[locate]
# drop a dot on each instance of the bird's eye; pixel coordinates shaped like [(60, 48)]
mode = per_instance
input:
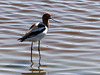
[(48, 15)]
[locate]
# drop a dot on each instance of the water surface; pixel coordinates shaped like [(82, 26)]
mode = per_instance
[(71, 47)]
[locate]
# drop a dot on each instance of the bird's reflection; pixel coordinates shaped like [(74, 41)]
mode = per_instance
[(33, 63), (35, 71)]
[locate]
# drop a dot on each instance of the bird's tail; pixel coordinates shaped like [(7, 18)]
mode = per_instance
[(21, 39)]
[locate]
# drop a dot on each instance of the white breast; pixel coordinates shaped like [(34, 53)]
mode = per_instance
[(39, 36)]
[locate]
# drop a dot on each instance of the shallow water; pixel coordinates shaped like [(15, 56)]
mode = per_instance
[(71, 47)]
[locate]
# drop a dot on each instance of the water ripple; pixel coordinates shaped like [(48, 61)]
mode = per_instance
[(71, 47)]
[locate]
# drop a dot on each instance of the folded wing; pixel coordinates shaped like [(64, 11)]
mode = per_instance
[(33, 31)]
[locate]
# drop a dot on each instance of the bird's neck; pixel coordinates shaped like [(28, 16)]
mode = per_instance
[(46, 22)]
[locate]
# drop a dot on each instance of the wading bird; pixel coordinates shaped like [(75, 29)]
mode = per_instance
[(37, 31)]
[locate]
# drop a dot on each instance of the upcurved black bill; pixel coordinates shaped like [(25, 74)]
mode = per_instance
[(55, 20)]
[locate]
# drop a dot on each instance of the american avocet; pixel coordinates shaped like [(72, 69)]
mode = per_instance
[(37, 31)]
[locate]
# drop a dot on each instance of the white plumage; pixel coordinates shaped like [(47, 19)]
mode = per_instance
[(37, 31), (40, 35)]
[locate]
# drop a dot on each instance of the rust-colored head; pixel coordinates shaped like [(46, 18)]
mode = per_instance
[(45, 18)]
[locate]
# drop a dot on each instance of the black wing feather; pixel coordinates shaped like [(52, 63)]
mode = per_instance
[(33, 33)]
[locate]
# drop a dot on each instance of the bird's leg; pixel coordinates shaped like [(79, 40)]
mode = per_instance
[(39, 49), (31, 55), (31, 50)]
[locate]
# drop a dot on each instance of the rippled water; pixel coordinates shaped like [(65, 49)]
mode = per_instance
[(71, 47)]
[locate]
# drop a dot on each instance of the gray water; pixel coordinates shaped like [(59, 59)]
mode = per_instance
[(71, 47)]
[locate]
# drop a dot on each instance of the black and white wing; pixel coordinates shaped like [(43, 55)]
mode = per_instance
[(33, 31)]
